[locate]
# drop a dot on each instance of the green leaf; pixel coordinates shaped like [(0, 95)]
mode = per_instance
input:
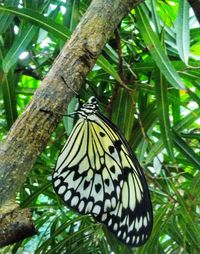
[(154, 151), (183, 147), (19, 45), (156, 50), (69, 121), (174, 231), (106, 66), (159, 226), (182, 30), (188, 226), (147, 122), (175, 102), (39, 191), (6, 19), (187, 120), (195, 186), (39, 20), (181, 125), (194, 35), (9, 96), (75, 14), (155, 16), (163, 113), (123, 114), (191, 75)]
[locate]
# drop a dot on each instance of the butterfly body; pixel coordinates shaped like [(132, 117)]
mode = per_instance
[(97, 173)]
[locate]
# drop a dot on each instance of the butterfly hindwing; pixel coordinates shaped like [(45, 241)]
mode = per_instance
[(131, 220)]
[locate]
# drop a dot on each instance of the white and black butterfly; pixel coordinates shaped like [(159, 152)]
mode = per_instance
[(97, 173)]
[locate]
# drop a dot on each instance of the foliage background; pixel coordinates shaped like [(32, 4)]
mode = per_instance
[(155, 52)]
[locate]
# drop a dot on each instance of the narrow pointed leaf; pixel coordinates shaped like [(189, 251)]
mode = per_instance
[(175, 105), (6, 19), (163, 114), (182, 30), (186, 150), (155, 16), (74, 14), (147, 123), (19, 45), (39, 20), (123, 115), (156, 50), (9, 96), (106, 66), (184, 123)]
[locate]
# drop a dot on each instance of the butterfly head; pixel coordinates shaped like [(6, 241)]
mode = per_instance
[(88, 108)]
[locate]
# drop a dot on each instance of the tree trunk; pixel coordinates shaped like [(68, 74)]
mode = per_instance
[(30, 133)]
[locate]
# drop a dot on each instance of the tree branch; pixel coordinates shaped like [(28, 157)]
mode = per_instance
[(15, 226), (30, 133)]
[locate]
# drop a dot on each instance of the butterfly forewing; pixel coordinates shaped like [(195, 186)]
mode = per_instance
[(97, 173), (84, 175)]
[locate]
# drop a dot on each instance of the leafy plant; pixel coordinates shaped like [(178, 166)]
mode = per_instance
[(147, 81)]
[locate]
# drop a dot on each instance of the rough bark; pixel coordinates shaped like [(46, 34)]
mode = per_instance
[(30, 133), (15, 226)]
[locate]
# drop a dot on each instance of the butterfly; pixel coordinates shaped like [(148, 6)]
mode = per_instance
[(97, 173)]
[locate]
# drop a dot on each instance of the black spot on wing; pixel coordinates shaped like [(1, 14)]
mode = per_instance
[(98, 187), (107, 182), (117, 145), (76, 174), (126, 172), (112, 169), (102, 134), (111, 149), (86, 184)]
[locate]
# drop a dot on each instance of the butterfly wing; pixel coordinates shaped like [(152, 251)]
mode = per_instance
[(88, 173), (132, 219), (97, 173)]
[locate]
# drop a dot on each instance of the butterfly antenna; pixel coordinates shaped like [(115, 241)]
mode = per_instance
[(57, 113), (69, 115), (69, 86)]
